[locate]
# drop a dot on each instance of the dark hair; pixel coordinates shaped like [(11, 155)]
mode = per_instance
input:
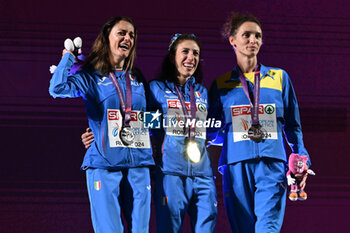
[(99, 56), (168, 69), (235, 21)]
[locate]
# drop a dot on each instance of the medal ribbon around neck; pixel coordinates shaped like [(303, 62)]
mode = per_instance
[(254, 106), (125, 104), (192, 131)]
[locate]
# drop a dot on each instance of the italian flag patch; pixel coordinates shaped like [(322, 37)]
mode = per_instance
[(164, 201), (97, 185), (197, 94), (132, 77)]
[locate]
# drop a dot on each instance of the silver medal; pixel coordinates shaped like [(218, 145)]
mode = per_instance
[(127, 136)]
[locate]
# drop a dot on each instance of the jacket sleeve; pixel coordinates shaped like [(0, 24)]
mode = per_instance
[(292, 125), (63, 85), (153, 105), (215, 112)]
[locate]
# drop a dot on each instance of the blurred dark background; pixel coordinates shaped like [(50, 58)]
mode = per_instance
[(41, 186)]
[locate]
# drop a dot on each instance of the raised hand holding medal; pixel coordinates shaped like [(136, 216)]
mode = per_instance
[(126, 134), (256, 133)]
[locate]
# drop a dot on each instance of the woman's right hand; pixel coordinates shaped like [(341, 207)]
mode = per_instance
[(87, 138), (64, 51)]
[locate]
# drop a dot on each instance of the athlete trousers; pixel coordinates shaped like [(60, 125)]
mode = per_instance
[(255, 195), (176, 195), (110, 192)]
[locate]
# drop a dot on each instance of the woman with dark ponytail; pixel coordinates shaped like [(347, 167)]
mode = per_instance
[(184, 180)]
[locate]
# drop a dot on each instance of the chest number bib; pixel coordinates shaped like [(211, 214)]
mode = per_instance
[(241, 121), (175, 120), (115, 122)]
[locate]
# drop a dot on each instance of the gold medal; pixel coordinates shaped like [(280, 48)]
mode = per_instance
[(193, 152)]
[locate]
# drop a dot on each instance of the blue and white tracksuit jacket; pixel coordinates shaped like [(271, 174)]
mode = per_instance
[(244, 162), (182, 185), (107, 160), (101, 98)]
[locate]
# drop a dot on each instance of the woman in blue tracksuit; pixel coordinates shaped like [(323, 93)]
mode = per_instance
[(181, 184), (117, 162), (256, 104)]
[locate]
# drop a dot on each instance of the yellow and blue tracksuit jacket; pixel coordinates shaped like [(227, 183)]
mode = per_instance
[(275, 90)]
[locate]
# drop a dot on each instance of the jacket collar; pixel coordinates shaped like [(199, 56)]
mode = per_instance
[(235, 73), (190, 81), (118, 73)]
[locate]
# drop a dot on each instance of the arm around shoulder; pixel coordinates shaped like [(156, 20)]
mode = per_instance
[(215, 134)]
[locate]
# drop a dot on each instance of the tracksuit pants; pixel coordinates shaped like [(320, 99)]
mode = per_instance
[(255, 195), (110, 192), (176, 195)]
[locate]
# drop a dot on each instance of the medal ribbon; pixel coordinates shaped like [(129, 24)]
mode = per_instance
[(254, 106), (125, 104), (192, 131)]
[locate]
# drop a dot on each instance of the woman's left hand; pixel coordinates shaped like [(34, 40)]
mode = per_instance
[(307, 173), (303, 181), (87, 138)]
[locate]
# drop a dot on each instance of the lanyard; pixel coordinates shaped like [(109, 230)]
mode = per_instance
[(192, 130), (254, 106), (125, 104)]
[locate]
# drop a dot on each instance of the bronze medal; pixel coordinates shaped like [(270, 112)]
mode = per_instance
[(256, 133)]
